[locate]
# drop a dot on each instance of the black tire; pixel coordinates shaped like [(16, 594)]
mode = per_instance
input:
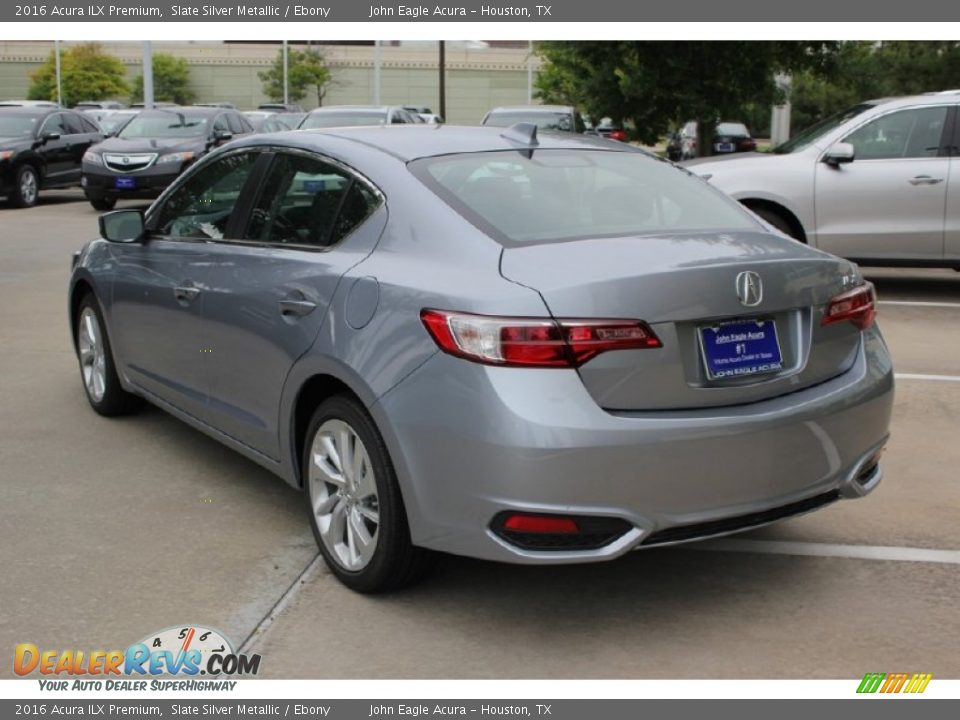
[(25, 177), (396, 562), (115, 400), (103, 204), (778, 221)]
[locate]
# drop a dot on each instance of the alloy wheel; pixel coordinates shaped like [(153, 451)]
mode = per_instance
[(343, 493), (92, 355), (28, 187)]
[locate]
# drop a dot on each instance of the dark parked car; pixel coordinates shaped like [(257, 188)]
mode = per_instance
[(152, 149), (728, 137), (356, 115), (546, 117), (40, 148)]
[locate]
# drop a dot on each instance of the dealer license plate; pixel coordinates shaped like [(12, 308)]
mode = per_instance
[(125, 183), (741, 347)]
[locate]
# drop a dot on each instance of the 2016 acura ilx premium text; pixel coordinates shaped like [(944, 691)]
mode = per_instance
[(478, 341)]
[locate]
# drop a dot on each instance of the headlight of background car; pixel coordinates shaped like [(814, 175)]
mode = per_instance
[(92, 158), (175, 157), (5, 155)]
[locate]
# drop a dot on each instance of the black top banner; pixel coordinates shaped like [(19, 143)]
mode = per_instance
[(578, 11)]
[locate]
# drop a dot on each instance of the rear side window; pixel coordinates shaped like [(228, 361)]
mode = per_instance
[(574, 194), (306, 201)]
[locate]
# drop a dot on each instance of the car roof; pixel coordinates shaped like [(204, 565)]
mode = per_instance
[(533, 108), (411, 142), (334, 108), (188, 111), (31, 110)]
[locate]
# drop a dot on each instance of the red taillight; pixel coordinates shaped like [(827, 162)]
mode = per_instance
[(618, 135), (858, 306), (552, 524), (533, 342)]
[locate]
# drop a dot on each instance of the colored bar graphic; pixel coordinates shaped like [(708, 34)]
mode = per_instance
[(894, 683)]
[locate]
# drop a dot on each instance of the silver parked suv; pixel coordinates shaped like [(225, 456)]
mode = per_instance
[(878, 183)]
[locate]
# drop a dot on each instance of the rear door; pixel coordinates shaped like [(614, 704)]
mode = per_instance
[(889, 202), (268, 294)]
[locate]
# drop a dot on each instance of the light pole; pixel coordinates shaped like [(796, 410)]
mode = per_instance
[(376, 72), (443, 79), (147, 75), (56, 52), (286, 85)]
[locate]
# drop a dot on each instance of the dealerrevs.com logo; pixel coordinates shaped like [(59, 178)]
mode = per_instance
[(887, 683), (187, 651)]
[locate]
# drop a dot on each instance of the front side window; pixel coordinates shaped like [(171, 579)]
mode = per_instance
[(560, 195), (201, 206), (306, 201), (914, 133), (54, 125)]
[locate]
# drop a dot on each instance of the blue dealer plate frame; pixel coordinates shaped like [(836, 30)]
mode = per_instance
[(741, 348), (125, 183)]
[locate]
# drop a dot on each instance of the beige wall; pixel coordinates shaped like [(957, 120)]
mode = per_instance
[(477, 78)]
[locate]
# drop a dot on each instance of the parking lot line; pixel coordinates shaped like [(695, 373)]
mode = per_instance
[(308, 573), (920, 303), (856, 552), (921, 376)]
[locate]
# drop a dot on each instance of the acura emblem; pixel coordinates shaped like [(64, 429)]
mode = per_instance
[(749, 288), (126, 160)]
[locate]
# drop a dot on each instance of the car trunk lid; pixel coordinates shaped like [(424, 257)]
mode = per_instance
[(681, 284)]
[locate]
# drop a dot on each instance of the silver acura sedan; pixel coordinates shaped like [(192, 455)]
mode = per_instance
[(878, 183), (527, 349)]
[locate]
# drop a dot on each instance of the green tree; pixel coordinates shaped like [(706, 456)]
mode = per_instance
[(307, 72), (653, 85), (86, 73), (171, 80)]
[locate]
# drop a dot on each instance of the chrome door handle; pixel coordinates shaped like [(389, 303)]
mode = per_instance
[(924, 180), (296, 307), (185, 293)]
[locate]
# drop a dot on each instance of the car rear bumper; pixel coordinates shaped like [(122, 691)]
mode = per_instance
[(470, 442)]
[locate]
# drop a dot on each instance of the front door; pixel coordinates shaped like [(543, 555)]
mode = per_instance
[(160, 285), (267, 297), (888, 204)]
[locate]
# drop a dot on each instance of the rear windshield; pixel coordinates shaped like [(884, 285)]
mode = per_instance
[(560, 195), (732, 129), (543, 120), (343, 119)]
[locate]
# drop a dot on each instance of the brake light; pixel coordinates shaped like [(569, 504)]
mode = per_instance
[(533, 342), (858, 306), (618, 135)]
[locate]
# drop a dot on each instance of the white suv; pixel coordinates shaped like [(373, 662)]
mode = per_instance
[(878, 183)]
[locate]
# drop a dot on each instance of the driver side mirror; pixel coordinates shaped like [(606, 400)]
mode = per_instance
[(222, 136), (839, 154), (122, 226)]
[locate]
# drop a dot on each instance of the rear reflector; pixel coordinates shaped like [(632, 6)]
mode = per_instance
[(540, 524), (533, 342), (538, 531), (858, 306)]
